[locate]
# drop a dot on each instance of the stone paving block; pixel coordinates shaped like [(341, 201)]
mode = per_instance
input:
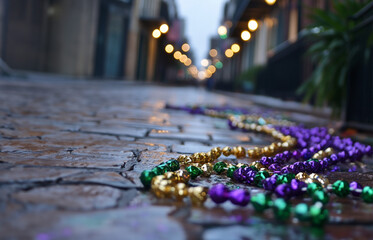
[(72, 197), (25, 174), (179, 136), (113, 179)]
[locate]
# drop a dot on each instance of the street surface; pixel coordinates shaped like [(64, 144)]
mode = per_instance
[(71, 153)]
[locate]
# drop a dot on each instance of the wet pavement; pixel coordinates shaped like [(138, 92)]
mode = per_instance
[(71, 153)]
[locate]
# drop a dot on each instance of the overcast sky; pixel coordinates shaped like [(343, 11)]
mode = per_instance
[(202, 18)]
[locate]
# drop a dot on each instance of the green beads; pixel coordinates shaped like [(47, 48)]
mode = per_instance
[(194, 171), (146, 178), (313, 160), (254, 168), (284, 178), (367, 194), (231, 170), (281, 209), (318, 215), (162, 168), (220, 167), (313, 187), (320, 196), (261, 202), (259, 177), (341, 188), (301, 212), (173, 164)]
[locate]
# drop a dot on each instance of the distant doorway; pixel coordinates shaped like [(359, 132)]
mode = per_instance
[(112, 38)]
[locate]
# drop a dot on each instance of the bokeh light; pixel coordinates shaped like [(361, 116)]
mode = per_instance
[(185, 47), (212, 68), (213, 53), (183, 58), (229, 53), (164, 28), (169, 48), (245, 35), (156, 33), (253, 25), (177, 55), (270, 2), (235, 48), (222, 30), (204, 62)]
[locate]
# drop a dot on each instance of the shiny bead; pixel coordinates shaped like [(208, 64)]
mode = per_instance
[(173, 164), (367, 194), (240, 152), (209, 157), (203, 157), (188, 160), (341, 188), (239, 165), (259, 177), (251, 153), (171, 176), (220, 167), (329, 151), (206, 169), (281, 209), (231, 170), (146, 178), (227, 151), (163, 189), (157, 171), (323, 181), (313, 187), (194, 171), (285, 178), (261, 202), (182, 176), (216, 152), (318, 214), (180, 191), (196, 157), (301, 212), (219, 193), (256, 164), (239, 197), (320, 196), (313, 176), (197, 195), (181, 159), (355, 188)]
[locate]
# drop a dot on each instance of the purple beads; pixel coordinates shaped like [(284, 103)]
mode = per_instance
[(283, 191), (219, 193), (355, 186), (239, 197)]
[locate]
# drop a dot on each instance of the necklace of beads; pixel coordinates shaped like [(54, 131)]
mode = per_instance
[(289, 167)]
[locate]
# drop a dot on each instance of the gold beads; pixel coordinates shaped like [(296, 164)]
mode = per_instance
[(197, 195), (256, 164), (239, 151), (301, 176), (207, 169), (216, 152), (180, 191), (182, 176), (227, 151), (323, 181)]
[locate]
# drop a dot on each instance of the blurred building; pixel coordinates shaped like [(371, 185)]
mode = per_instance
[(275, 53), (101, 38)]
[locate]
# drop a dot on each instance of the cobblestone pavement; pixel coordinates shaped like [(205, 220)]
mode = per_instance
[(71, 153)]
